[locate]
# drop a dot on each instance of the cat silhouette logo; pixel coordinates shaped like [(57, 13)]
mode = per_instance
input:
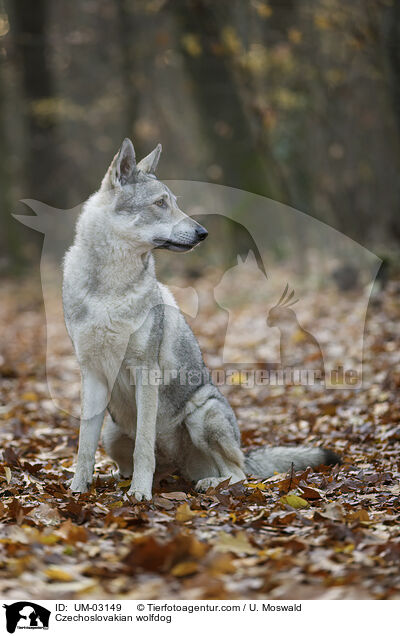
[(26, 615)]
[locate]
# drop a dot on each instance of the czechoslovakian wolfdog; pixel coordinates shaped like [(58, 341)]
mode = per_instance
[(120, 318)]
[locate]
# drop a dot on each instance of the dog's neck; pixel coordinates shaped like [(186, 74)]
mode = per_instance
[(113, 268), (121, 270)]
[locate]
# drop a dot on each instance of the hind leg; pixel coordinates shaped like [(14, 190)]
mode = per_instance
[(216, 455), (119, 446)]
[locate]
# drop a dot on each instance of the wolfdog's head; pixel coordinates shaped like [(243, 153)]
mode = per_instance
[(140, 210)]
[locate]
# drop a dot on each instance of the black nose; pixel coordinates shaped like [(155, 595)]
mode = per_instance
[(201, 233)]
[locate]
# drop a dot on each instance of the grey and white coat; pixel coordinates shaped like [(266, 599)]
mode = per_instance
[(121, 319)]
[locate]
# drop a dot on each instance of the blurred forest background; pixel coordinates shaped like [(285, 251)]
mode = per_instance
[(295, 100)]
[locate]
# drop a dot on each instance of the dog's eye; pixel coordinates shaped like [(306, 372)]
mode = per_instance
[(161, 203)]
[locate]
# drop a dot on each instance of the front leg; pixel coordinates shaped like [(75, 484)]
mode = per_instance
[(94, 401), (144, 454)]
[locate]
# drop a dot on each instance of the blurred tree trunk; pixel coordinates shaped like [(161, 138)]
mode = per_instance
[(9, 243), (392, 40), (297, 175), (393, 45), (127, 41), (29, 35), (239, 161)]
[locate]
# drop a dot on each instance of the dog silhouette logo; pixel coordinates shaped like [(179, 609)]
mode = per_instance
[(26, 615)]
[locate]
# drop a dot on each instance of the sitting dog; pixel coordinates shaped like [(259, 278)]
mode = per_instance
[(127, 331)]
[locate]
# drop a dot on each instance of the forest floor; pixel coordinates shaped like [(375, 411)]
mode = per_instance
[(336, 537)]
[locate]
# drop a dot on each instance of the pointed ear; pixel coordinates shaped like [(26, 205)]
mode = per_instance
[(123, 166), (149, 164), (240, 260)]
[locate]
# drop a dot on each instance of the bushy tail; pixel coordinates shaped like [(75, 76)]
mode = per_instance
[(264, 462)]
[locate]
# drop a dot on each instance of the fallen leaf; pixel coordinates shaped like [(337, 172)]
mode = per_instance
[(176, 496), (259, 485), (358, 515), (184, 513), (238, 544), (294, 501), (185, 568), (58, 574), (310, 493), (7, 473), (29, 397), (46, 515)]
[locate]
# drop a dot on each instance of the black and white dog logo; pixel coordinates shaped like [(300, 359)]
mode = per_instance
[(26, 615)]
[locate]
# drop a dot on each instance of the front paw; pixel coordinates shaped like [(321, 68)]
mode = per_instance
[(81, 482), (140, 493)]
